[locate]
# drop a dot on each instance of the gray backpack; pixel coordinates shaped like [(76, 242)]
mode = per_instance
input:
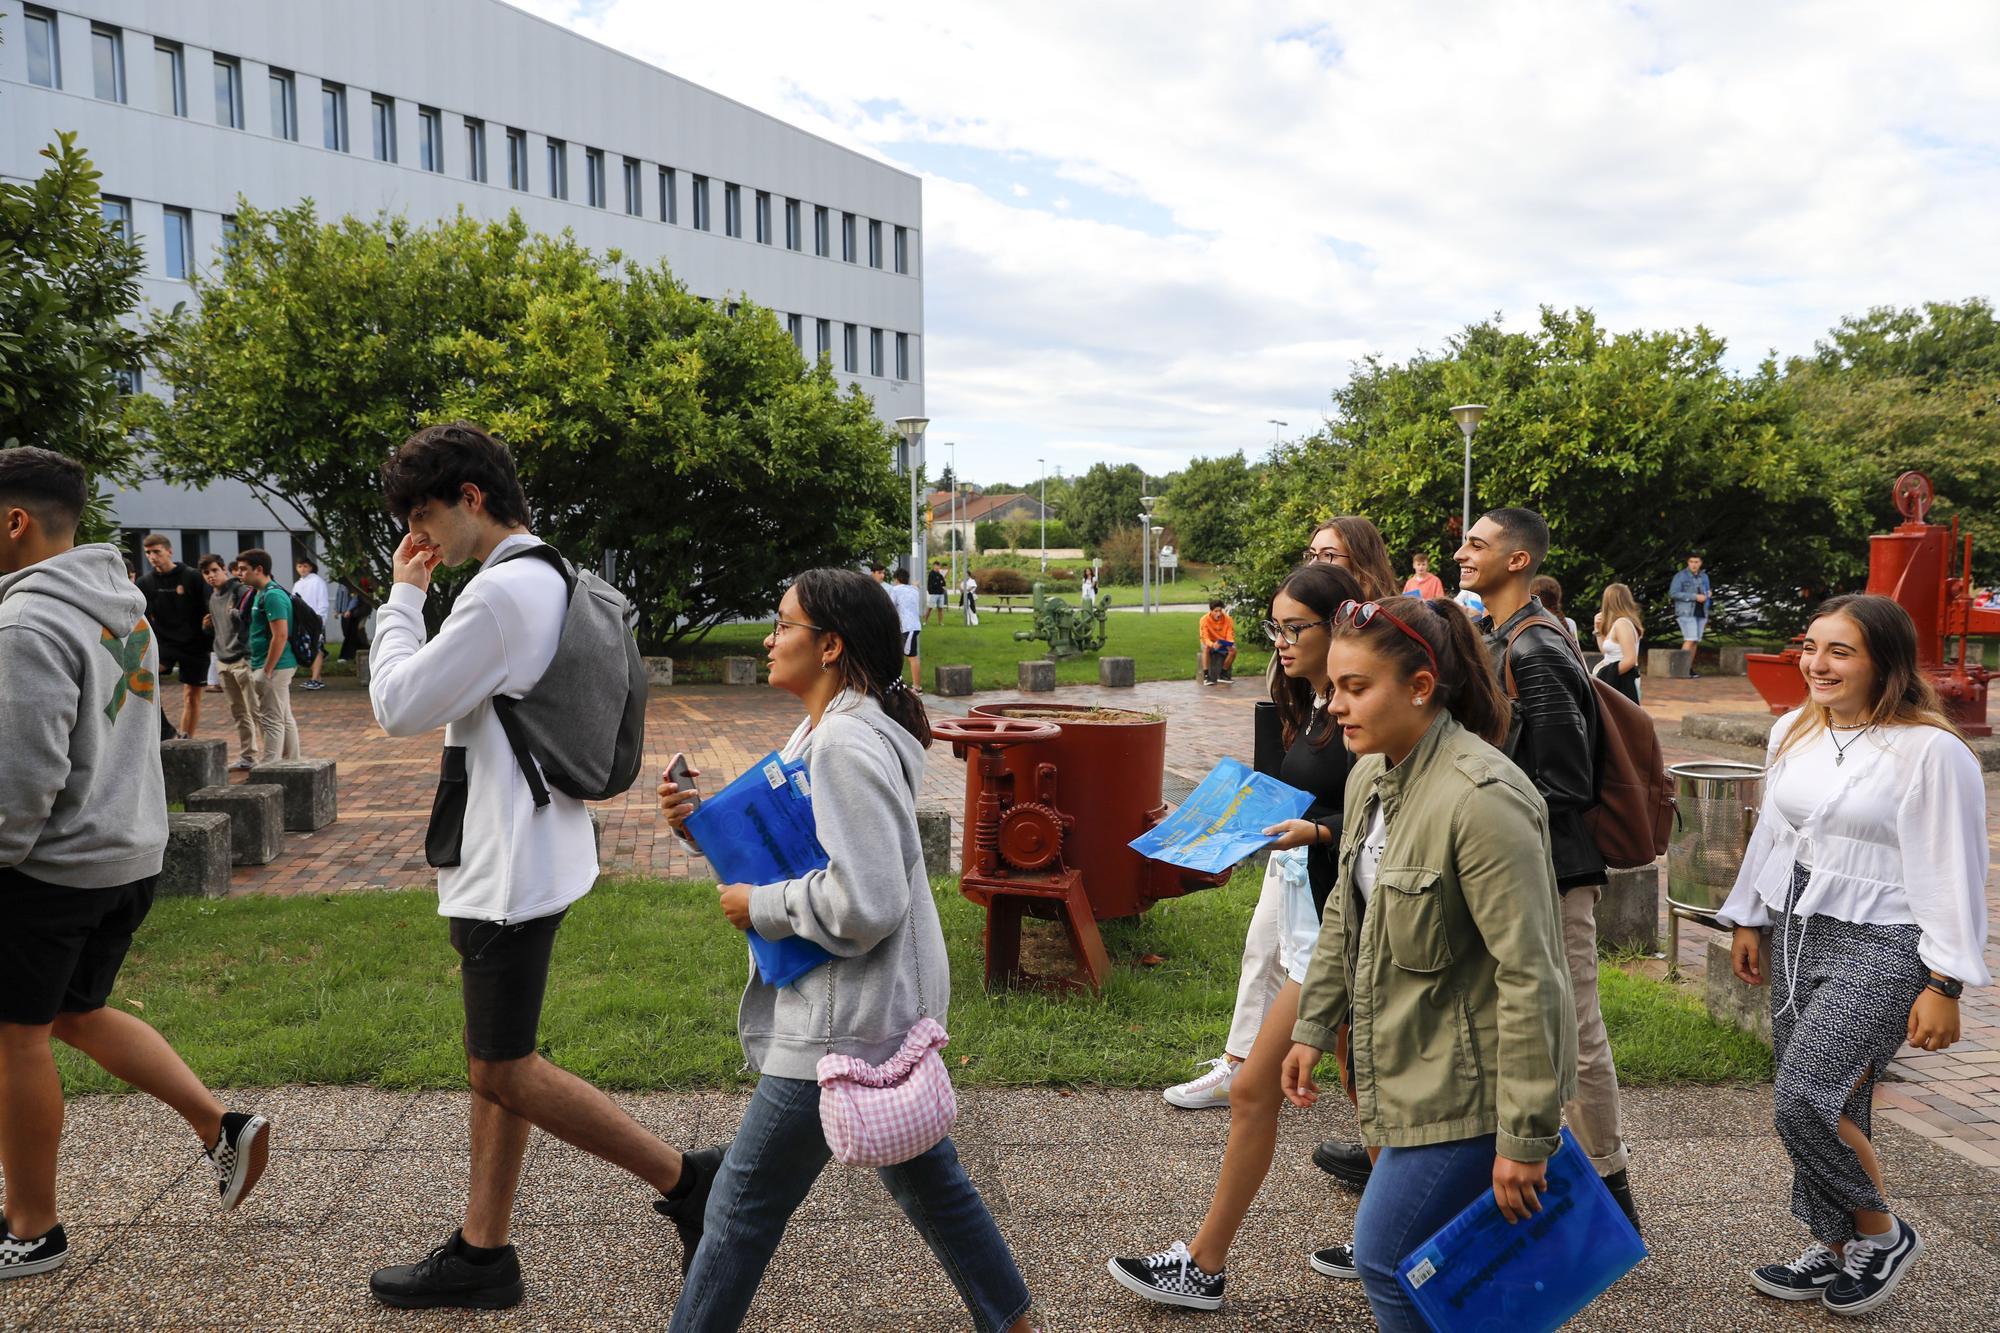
[(582, 729)]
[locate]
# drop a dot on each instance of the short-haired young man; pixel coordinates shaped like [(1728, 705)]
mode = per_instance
[(910, 618), (176, 601), (934, 587), (1689, 594), (310, 588), (83, 830), (268, 635), (1554, 742), (1217, 631), (228, 604), (507, 870)]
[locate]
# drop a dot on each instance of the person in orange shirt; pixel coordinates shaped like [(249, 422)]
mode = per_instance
[(1218, 645), (1422, 583)]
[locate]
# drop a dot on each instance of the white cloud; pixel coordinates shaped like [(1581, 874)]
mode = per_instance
[(1334, 180)]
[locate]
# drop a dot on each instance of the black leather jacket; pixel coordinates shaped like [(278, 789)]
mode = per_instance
[(1553, 737)]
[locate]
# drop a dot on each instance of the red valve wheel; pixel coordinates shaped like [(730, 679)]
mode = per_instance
[(1914, 495), (992, 733)]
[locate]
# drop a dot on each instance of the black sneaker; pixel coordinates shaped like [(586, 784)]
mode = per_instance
[(1335, 1261), (1803, 1279), (240, 1156), (1871, 1272), (446, 1277), (1171, 1278), (25, 1258), (1620, 1185), (1346, 1162), (685, 1207)]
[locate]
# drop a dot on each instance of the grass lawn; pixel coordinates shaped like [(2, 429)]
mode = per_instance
[(1162, 647), (362, 988)]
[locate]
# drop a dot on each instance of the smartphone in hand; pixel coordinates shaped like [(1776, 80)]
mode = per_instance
[(682, 777)]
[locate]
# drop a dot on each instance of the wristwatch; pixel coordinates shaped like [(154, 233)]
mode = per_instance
[(1945, 986)]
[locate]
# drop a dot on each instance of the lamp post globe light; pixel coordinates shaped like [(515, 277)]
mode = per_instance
[(912, 431), (1467, 416)]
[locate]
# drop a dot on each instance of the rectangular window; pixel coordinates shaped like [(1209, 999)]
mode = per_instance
[(558, 169), (118, 212), (230, 234), (823, 337), (635, 193), (194, 544), (170, 74), (699, 185), (131, 381), (517, 159), (670, 204), (284, 105), (475, 150), (732, 209), (107, 62), (430, 139), (902, 356), (875, 353), (228, 93), (796, 326), (333, 116), (902, 249), (44, 53), (874, 243), (382, 127), (850, 347), (593, 177), (180, 242), (763, 217), (847, 247), (822, 242), (793, 238)]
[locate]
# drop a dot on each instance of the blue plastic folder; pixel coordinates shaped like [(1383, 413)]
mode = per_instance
[(759, 830), (1224, 819), (1481, 1273)]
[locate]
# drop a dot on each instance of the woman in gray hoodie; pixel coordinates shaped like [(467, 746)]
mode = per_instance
[(836, 645)]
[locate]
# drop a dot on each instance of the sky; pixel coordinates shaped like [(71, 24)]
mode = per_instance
[(1150, 229)]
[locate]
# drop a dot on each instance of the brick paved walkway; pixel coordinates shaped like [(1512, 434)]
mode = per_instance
[(385, 789)]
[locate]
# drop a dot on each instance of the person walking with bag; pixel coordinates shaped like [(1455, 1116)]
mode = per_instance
[(836, 646), (1619, 629), (1868, 866)]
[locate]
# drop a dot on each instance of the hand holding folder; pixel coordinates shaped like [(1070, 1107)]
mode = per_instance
[(760, 830)]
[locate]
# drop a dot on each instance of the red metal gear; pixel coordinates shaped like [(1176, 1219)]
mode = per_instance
[(1031, 836)]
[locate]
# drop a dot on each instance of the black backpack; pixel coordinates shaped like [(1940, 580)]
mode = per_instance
[(308, 633), (582, 729)]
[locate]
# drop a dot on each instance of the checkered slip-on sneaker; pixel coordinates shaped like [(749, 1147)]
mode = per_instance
[(1170, 1278), (240, 1156), (25, 1258)]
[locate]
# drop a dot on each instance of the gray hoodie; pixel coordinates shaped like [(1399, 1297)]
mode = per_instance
[(82, 802), (865, 908)]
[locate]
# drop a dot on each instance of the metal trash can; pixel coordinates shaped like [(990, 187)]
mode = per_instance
[(1718, 804)]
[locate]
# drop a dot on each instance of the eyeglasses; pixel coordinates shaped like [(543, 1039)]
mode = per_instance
[(1325, 555), (1289, 634), (779, 626), (1362, 614)]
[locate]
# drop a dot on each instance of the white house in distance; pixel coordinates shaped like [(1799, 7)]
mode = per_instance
[(423, 107)]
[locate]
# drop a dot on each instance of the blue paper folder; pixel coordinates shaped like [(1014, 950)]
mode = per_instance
[(759, 830), (1483, 1274), (1224, 819)]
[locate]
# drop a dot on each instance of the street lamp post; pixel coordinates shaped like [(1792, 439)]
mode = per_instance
[(953, 446), (1147, 579), (1045, 513), (1276, 426), (912, 431), (1467, 416)]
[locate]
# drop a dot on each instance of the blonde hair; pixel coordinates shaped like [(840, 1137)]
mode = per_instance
[(1904, 697), (1618, 604)]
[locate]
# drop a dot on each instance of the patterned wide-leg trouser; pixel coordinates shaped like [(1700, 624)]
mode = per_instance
[(1840, 1008)]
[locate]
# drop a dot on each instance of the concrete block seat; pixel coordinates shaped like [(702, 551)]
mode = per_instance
[(311, 787), (256, 813), (197, 864), (190, 765)]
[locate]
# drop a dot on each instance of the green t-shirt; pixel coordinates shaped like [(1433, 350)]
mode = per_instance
[(274, 603)]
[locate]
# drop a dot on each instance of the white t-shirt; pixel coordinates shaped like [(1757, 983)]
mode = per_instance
[(516, 862), (1369, 859), (909, 606), (971, 585), (312, 591)]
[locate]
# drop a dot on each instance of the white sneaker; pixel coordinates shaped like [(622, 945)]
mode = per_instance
[(1211, 1089)]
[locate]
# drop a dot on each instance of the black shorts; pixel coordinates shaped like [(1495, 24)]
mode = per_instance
[(189, 659), (61, 948), (910, 641), (503, 977)]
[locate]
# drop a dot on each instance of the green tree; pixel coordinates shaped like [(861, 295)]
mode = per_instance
[(69, 287), (1103, 500), (689, 451), (1207, 502)]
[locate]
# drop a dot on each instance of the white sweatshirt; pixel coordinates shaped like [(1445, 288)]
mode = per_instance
[(516, 862)]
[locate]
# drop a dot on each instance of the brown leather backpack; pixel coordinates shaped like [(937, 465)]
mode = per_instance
[(1633, 819)]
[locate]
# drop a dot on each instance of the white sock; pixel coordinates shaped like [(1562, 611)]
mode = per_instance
[(1881, 1240)]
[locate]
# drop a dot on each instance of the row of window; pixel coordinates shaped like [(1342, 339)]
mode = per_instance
[(108, 67)]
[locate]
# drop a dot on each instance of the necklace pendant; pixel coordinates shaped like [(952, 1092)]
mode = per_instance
[(1839, 758)]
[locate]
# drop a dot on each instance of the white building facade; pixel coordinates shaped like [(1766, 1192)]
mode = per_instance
[(424, 107)]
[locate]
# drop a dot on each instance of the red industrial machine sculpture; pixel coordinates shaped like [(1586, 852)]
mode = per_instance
[(1053, 795), (1928, 569)]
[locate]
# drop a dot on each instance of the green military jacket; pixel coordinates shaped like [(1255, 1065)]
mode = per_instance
[(1453, 977)]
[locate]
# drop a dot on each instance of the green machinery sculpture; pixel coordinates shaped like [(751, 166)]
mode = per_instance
[(1069, 631)]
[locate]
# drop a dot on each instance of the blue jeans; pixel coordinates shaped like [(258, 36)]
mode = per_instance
[(777, 1154), (1412, 1192)]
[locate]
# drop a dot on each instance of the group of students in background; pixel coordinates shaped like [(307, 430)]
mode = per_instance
[(1429, 921)]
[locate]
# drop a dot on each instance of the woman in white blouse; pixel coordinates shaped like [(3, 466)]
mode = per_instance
[(1868, 865)]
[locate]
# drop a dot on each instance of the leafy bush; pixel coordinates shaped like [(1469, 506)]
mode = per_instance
[(992, 535), (1000, 580), (1120, 554)]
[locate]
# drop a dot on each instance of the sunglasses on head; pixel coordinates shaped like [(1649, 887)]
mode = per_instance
[(1362, 614)]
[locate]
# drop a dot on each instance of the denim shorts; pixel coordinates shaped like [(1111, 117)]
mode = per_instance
[(1691, 627)]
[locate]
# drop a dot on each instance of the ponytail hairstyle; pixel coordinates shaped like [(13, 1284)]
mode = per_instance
[(1367, 554), (1320, 589), (1467, 687), (1903, 696), (858, 609)]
